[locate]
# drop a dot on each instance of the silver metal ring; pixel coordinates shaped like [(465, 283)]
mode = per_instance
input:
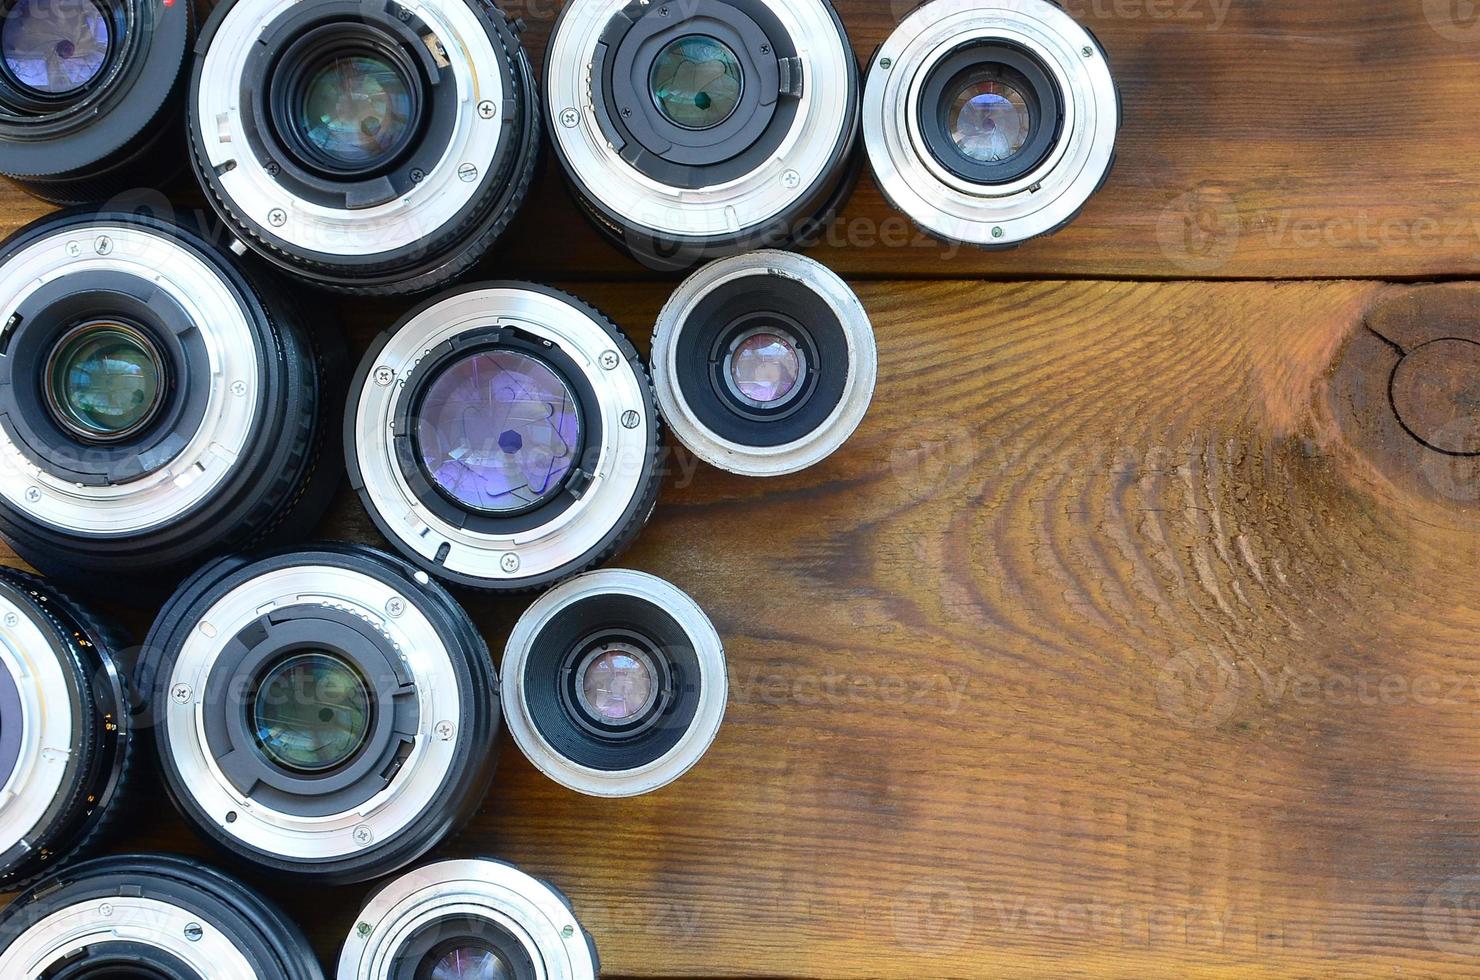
[(621, 470), (183, 933), (824, 120), (948, 205), (525, 908), (415, 785), (27, 654), (820, 442), (713, 684), (212, 452), (281, 218)]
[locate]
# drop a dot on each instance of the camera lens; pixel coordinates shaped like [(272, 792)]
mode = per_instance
[(65, 741), (614, 683), (764, 363), (368, 149), (330, 712), (156, 406), (149, 917), (503, 436), (91, 95), (990, 123), (703, 128), (468, 920)]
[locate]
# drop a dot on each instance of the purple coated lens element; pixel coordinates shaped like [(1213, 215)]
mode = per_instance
[(765, 367), (498, 431), (617, 683), (54, 47), (470, 963)]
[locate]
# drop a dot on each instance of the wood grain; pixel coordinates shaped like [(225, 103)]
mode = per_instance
[(1135, 634), (1115, 644)]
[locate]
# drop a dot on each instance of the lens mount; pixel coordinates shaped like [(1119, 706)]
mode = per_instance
[(761, 160), (482, 910), (638, 751), (98, 121), (153, 916), (342, 773), (537, 459), (1039, 138), (814, 369), (419, 151), (231, 443), (65, 736)]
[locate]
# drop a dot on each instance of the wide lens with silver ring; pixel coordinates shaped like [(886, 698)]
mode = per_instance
[(92, 95), (990, 122), (156, 405), (764, 363), (65, 737), (149, 917), (503, 436), (329, 712), (703, 128), (469, 919), (368, 148), (614, 683)]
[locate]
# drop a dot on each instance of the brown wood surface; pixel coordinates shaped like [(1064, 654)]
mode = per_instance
[(1136, 633)]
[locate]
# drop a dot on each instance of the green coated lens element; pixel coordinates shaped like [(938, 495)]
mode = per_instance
[(355, 110), (311, 712), (104, 380), (696, 81)]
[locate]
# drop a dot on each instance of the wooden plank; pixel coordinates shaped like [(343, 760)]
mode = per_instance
[(1129, 637), (1262, 140)]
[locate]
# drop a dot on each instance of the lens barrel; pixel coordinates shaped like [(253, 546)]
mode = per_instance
[(367, 149), (764, 363), (990, 122), (153, 917), (156, 405), (503, 436), (468, 918), (330, 712), (66, 742), (614, 683), (704, 128), (92, 95)]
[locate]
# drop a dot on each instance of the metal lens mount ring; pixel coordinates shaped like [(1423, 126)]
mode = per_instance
[(600, 510), (662, 600), (149, 915), (475, 899), (990, 214), (308, 837), (810, 154), (64, 727), (853, 377), (194, 467), (350, 230)]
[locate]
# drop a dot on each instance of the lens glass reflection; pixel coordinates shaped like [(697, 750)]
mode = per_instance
[(55, 47), (104, 381), (990, 120), (696, 81), (311, 712), (356, 110)]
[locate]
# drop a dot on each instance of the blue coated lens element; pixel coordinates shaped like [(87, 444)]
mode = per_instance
[(55, 47)]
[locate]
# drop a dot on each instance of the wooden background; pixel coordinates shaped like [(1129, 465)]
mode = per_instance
[(1133, 634)]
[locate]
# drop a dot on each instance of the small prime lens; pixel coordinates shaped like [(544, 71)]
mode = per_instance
[(367, 149), (330, 712), (990, 122), (149, 917), (764, 363), (156, 405), (468, 920), (91, 95), (65, 736), (503, 436), (703, 128), (614, 683)]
